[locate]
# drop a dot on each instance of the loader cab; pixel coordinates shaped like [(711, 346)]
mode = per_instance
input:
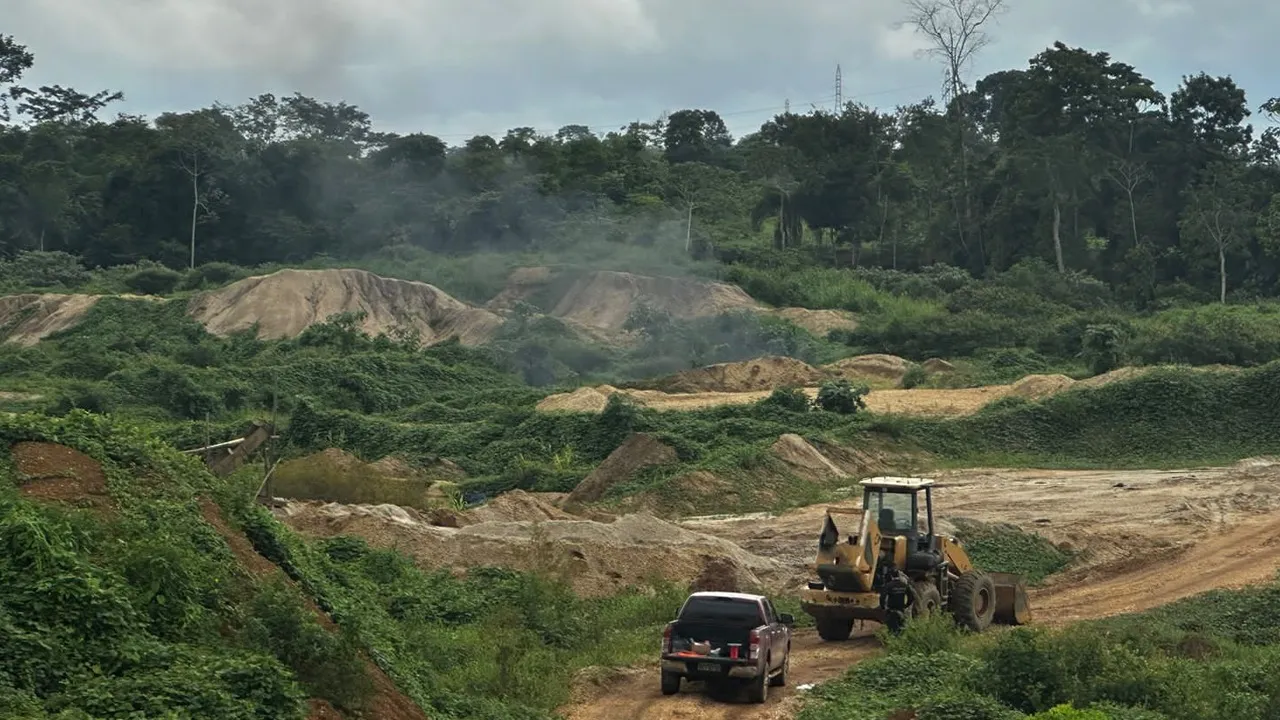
[(902, 506)]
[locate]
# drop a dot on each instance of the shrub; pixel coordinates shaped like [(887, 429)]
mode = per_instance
[(839, 396), (42, 270), (153, 281), (914, 377), (790, 399)]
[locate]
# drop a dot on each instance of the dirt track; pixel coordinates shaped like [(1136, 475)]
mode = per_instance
[(1147, 538), (637, 696)]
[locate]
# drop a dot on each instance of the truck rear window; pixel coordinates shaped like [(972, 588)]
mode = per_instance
[(728, 611)]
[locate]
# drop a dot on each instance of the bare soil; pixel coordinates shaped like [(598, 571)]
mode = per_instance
[(605, 299), (637, 695), (287, 302), (1138, 532), (56, 473)]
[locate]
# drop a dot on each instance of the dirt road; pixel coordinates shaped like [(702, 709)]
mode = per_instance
[(637, 696), (1147, 538), (1248, 554)]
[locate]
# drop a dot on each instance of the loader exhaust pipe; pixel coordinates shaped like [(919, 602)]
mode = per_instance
[(1012, 604)]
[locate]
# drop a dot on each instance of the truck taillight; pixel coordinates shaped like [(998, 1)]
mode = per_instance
[(666, 639), (753, 650)]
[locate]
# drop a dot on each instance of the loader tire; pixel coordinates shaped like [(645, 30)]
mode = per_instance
[(925, 599), (973, 600), (835, 630)]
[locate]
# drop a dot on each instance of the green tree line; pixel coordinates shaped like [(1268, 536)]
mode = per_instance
[(1075, 159)]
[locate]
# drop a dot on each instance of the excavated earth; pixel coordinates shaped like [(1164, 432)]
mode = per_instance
[(1132, 533), (1135, 530)]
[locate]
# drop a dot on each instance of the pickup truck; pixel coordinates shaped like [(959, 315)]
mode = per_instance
[(719, 636)]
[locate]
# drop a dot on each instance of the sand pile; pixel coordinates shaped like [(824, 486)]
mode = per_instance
[(522, 283), (287, 302), (818, 322), (597, 558), (1117, 375), (804, 459), (515, 506), (937, 366), (637, 452), (605, 299), (583, 400), (27, 319), (887, 367), (1035, 387), (764, 373)]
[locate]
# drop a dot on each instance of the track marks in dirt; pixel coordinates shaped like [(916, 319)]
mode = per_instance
[(1227, 558), (636, 695)]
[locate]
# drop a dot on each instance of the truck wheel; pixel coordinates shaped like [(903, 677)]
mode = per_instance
[(973, 600), (835, 630), (670, 683), (759, 690), (780, 680)]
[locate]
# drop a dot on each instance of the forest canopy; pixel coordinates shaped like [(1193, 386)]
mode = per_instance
[(1075, 159)]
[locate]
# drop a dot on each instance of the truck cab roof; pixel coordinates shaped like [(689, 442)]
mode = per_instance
[(728, 596)]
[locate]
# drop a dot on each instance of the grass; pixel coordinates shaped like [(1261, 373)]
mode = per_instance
[(146, 608), (1211, 657), (1006, 548)]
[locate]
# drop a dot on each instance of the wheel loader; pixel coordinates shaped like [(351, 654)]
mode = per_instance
[(896, 567)]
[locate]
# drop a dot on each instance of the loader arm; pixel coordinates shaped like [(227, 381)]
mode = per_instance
[(850, 565)]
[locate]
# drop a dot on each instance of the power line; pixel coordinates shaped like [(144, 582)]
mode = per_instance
[(785, 107)]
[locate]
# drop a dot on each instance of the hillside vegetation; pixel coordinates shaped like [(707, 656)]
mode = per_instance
[(386, 299)]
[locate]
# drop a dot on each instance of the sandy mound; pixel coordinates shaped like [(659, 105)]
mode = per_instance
[(764, 373), (605, 299), (57, 473), (1117, 375), (639, 451), (598, 559), (937, 366), (287, 302), (27, 319), (818, 322), (804, 459), (888, 367), (521, 284), (516, 506), (584, 399), (1034, 387)]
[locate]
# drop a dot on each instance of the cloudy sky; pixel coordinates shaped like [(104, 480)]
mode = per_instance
[(456, 68)]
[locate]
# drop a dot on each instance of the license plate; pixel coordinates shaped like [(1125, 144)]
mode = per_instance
[(708, 667)]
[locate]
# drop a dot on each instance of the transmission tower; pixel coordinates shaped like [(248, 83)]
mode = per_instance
[(839, 91)]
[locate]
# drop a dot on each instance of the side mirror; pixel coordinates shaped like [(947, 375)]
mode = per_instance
[(786, 619)]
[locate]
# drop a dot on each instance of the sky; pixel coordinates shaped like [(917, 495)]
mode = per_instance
[(457, 68)]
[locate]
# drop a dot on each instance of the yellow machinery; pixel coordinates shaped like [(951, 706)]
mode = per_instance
[(896, 567)]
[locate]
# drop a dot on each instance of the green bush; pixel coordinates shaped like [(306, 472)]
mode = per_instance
[(153, 281), (789, 399), (37, 270), (838, 396)]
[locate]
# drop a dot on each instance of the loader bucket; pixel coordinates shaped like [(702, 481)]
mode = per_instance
[(1012, 606)]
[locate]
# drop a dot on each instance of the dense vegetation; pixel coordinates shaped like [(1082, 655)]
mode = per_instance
[(1075, 159), (1207, 658), (1063, 217), (140, 608)]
